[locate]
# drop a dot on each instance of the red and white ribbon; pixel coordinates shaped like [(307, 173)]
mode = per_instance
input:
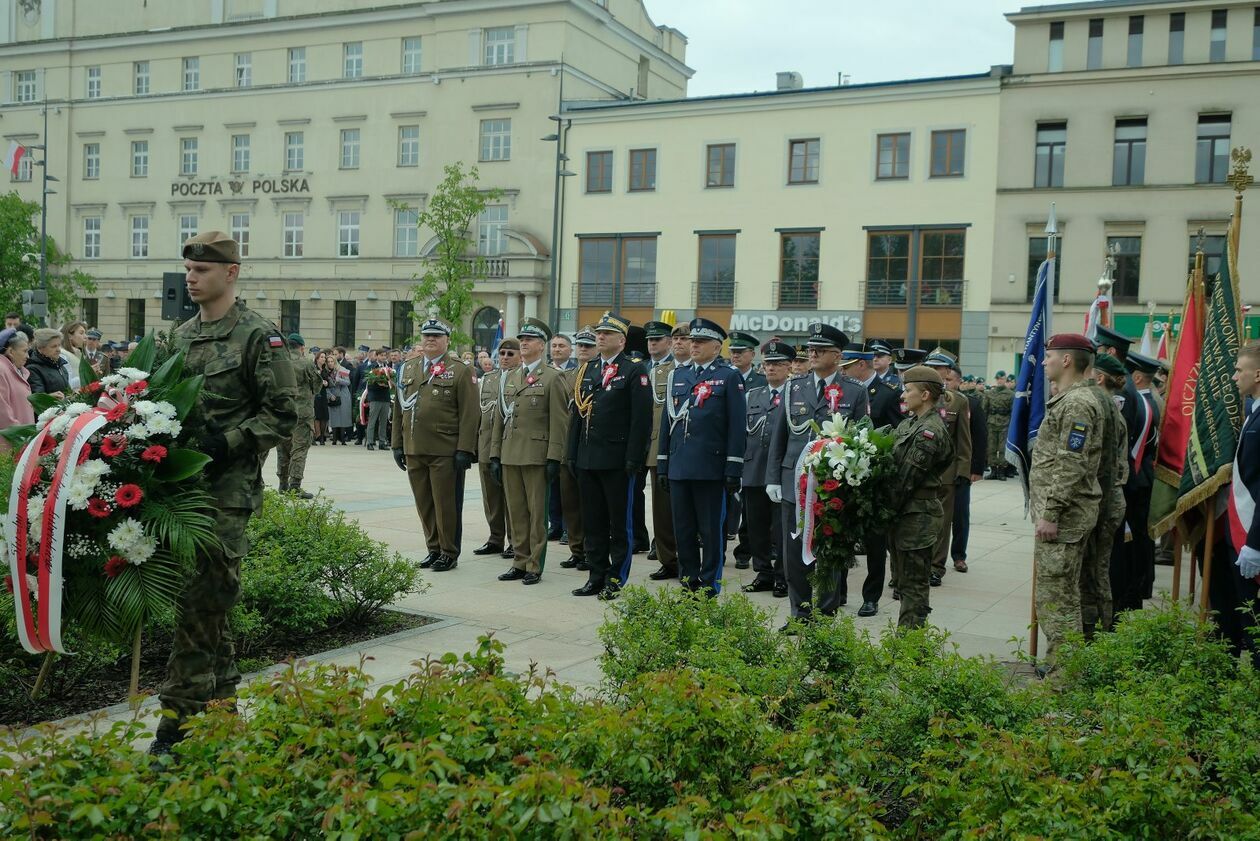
[(806, 496)]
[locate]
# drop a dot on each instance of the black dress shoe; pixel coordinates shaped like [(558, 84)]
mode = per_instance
[(507, 553), (583, 566), (369, 446), (935, 580), (780, 592), (742, 563), (531, 578), (652, 553), (868, 609), (590, 588), (611, 591), (429, 561), (488, 548), (554, 535), (663, 574), (445, 563), (564, 538), (512, 574), (570, 563), (639, 548), (759, 585)]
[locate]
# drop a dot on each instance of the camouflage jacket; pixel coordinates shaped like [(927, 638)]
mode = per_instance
[(308, 384), (1063, 478)]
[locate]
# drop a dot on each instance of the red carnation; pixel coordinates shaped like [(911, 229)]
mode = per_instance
[(137, 387), (835, 503), (828, 530), (818, 509), (830, 485), (114, 565), (129, 495), (99, 508), (85, 454), (93, 387), (47, 445), (154, 453), (116, 413), (113, 446)]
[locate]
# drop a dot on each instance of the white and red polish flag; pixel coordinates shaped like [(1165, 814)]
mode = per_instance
[(13, 157)]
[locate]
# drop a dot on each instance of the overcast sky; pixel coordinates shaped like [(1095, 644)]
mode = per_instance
[(738, 45)]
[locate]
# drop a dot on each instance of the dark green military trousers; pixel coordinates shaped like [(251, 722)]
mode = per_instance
[(913, 539)]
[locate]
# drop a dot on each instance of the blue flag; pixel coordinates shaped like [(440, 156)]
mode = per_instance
[(1029, 407)]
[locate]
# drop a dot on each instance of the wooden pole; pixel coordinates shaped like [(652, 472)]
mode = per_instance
[(44, 671), (1204, 597), (1195, 566), (1032, 639), (134, 689), (1176, 588)]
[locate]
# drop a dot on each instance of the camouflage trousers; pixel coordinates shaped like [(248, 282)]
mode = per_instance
[(1058, 582), (291, 455), (912, 542), (997, 441), (1096, 608), (202, 666)]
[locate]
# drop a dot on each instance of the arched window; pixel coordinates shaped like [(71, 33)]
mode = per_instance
[(485, 327)]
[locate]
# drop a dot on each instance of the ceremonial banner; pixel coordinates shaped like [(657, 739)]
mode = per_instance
[(1029, 407), (1174, 430)]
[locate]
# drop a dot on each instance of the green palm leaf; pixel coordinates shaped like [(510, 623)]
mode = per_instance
[(180, 523)]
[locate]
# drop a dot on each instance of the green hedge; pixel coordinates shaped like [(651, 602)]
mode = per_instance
[(709, 727)]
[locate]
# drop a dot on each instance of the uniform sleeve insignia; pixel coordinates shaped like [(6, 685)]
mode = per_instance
[(275, 341), (1076, 437), (929, 434), (643, 380)]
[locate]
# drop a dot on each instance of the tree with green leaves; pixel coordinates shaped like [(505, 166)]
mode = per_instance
[(447, 284), (19, 263)]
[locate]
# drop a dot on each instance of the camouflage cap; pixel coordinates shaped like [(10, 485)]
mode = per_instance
[(212, 247)]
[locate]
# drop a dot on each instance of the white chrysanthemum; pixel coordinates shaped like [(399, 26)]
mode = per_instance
[(133, 374), (159, 425), (126, 535), (112, 381), (93, 469), (46, 416), (144, 408), (141, 550), (161, 407), (78, 494), (137, 432), (59, 425)]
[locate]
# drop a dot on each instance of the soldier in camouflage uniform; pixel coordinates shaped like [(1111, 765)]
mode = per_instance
[(922, 453), (998, 402), (955, 411), (1063, 487), (291, 453), (247, 407), (1113, 472)]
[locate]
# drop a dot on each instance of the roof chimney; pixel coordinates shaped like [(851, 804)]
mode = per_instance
[(789, 80)]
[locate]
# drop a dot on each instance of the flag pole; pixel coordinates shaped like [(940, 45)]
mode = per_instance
[(1052, 234)]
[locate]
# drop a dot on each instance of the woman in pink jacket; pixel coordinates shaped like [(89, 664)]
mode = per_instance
[(15, 409)]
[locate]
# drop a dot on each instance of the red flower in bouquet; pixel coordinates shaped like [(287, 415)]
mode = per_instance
[(137, 387), (129, 496), (154, 454), (828, 530), (818, 509), (93, 387), (85, 455), (830, 485), (113, 446), (835, 503), (116, 413), (114, 565), (47, 446), (99, 508)]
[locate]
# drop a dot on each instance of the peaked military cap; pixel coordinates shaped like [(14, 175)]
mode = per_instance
[(657, 330), (941, 358), (1141, 364), (743, 341), (680, 330), (433, 327), (822, 335), (94, 334), (1106, 337), (535, 328), (908, 357), (777, 350), (364, 349), (613, 323), (855, 354), (703, 328), (1109, 364), (636, 355), (212, 247), (879, 347), (585, 337)]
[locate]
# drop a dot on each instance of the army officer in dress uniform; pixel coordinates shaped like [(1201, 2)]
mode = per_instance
[(813, 397), (660, 364), (570, 493), (527, 447), (493, 502), (765, 547), (702, 454), (608, 441), (435, 415)]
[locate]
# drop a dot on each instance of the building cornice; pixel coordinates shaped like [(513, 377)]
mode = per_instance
[(1138, 75)]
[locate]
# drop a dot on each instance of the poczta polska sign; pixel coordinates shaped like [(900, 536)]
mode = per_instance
[(266, 186)]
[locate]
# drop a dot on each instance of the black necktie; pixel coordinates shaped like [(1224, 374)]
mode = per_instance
[(822, 388)]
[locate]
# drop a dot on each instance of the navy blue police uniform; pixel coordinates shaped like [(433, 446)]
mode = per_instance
[(736, 521), (763, 519)]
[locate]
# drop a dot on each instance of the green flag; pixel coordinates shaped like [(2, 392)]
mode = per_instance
[(1217, 405)]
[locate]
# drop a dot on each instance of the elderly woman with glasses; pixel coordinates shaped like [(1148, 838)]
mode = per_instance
[(15, 409), (46, 367)]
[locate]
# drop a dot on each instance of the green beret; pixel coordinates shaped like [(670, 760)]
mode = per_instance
[(296, 339)]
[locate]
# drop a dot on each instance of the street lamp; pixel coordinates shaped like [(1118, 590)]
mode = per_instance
[(559, 138)]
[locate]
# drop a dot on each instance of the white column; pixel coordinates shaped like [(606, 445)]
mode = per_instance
[(531, 305), (512, 314)]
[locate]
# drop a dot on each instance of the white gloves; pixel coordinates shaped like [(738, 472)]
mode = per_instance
[(775, 492), (1249, 562)]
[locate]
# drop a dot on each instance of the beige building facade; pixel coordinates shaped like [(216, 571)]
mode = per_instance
[(311, 130)]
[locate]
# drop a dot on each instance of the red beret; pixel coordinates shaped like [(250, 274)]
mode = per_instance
[(1070, 341)]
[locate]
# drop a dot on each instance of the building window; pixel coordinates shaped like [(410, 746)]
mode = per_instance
[(803, 161), (1177, 38), (343, 323), (91, 161), (24, 169), (1213, 248), (240, 153), (192, 73), (297, 65), (1037, 256), (139, 236), (188, 156), (798, 270), (352, 59), (642, 170), (1128, 256), (721, 165), (401, 324), (1216, 46), (1136, 25), (1051, 149), (599, 172), (941, 268), (491, 241), (348, 233), (244, 70), (1094, 46), (887, 268), (349, 148), (293, 234), (290, 316), (135, 319), (410, 56), (496, 140), (617, 272), (140, 78), (294, 151), (91, 237), (409, 145), (93, 83), (894, 157), (139, 159), (948, 151), (1054, 55), (715, 287), (187, 228), (406, 233), (90, 311), (25, 86), (239, 231), (1129, 163), (501, 45), (1211, 153)]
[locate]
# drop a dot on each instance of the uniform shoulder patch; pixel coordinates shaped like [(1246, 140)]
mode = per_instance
[(929, 434), (1076, 436), (643, 380), (275, 341)]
